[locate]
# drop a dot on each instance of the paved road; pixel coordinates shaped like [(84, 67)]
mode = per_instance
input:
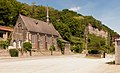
[(61, 64)]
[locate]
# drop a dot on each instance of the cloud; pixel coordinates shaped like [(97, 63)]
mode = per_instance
[(75, 8)]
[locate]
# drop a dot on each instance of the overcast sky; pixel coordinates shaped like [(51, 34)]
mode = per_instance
[(107, 11)]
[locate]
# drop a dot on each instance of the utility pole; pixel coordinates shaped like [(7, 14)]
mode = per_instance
[(108, 39), (86, 40)]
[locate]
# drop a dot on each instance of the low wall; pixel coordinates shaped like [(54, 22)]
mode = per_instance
[(95, 55), (4, 53)]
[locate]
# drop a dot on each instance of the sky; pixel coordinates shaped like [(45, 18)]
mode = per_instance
[(107, 11)]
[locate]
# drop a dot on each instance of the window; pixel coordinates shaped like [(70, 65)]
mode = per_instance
[(48, 40), (33, 38), (41, 39), (19, 27)]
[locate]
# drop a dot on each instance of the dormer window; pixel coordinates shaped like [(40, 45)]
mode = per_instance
[(19, 25)]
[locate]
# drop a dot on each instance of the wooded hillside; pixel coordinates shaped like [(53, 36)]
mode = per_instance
[(71, 25)]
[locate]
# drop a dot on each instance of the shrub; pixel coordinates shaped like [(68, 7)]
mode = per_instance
[(4, 44), (94, 52), (27, 47), (61, 45), (52, 48), (77, 49), (13, 52)]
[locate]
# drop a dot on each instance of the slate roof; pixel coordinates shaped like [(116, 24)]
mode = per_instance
[(35, 25)]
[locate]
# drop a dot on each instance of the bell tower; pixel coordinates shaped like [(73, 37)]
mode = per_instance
[(47, 15)]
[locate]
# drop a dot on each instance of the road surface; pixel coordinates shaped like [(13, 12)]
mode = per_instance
[(56, 64)]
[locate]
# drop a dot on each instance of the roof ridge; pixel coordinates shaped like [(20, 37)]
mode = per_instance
[(41, 26)]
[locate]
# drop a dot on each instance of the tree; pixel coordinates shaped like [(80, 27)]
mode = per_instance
[(9, 10), (52, 48), (68, 23), (61, 45), (27, 47)]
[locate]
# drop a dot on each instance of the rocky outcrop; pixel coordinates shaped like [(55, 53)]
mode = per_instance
[(97, 32)]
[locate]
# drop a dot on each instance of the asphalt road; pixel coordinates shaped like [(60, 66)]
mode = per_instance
[(56, 64)]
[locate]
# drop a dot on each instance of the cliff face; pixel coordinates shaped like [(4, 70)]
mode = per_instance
[(95, 31)]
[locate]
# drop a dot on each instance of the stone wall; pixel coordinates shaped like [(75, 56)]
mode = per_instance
[(4, 53)]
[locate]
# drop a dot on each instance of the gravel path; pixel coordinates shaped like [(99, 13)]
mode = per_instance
[(60, 64)]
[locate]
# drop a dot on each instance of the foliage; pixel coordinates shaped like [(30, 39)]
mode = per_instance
[(108, 49), (4, 44), (94, 51), (13, 52), (52, 48), (63, 30), (69, 24), (27, 47), (9, 10), (61, 45), (77, 49), (95, 42)]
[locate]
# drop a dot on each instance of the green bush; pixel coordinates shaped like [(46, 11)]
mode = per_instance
[(109, 49), (61, 45), (4, 44), (13, 52), (77, 49), (94, 51), (27, 47), (52, 48)]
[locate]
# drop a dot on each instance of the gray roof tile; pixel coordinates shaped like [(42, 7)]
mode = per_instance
[(35, 25)]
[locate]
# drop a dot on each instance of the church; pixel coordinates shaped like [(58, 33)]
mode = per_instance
[(40, 34)]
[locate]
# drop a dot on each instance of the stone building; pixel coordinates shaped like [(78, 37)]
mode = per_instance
[(5, 32), (41, 34)]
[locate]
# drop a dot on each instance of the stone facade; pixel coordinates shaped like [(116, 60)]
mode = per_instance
[(39, 40)]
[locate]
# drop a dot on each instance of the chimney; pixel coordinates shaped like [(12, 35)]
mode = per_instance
[(47, 15)]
